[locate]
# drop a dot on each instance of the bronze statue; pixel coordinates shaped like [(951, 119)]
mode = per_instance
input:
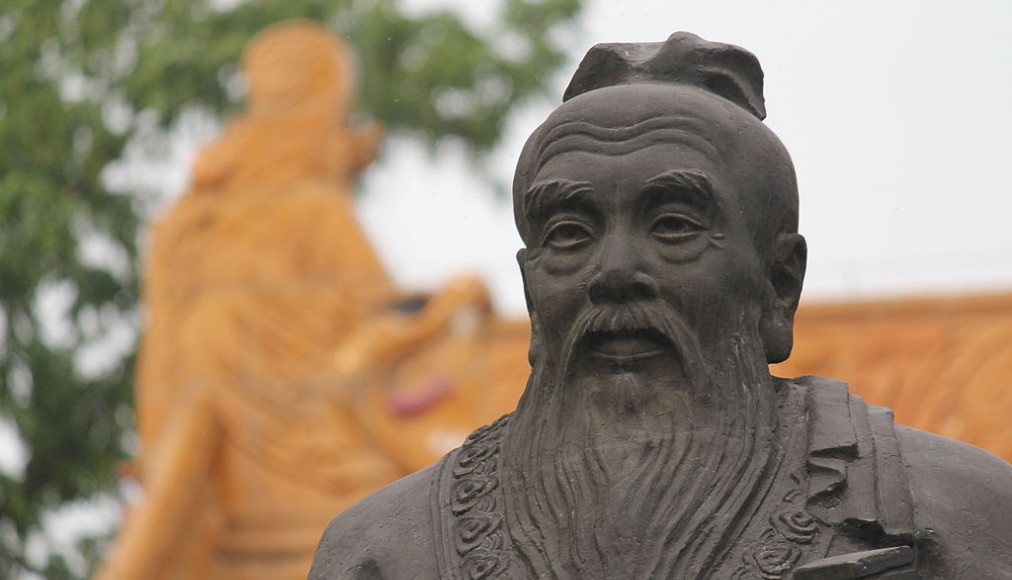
[(662, 269)]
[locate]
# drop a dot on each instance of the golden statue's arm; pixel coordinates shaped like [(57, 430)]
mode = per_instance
[(365, 142), (381, 341), (458, 314), (174, 487)]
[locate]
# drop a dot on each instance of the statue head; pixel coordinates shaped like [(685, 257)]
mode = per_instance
[(295, 64), (656, 189), (662, 270)]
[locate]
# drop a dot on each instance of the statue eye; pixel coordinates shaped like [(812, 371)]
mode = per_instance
[(568, 236), (675, 227)]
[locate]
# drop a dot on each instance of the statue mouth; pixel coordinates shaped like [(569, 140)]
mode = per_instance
[(627, 345)]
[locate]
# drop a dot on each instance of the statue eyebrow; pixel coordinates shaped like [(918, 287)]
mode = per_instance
[(687, 185), (554, 192)]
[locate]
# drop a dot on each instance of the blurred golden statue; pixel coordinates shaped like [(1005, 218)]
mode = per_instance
[(252, 434)]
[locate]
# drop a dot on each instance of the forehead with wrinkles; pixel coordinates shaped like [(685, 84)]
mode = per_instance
[(616, 121)]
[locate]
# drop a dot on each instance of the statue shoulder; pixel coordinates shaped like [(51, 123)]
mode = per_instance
[(963, 504), (385, 536)]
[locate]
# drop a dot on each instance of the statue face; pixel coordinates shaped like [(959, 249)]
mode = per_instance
[(656, 220)]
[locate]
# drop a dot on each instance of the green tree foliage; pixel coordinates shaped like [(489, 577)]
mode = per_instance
[(79, 79)]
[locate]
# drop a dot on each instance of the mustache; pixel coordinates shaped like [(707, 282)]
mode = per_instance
[(647, 318)]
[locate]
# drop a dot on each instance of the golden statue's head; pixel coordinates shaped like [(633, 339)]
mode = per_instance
[(297, 63)]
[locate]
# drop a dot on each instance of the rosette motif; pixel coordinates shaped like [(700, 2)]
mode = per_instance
[(473, 529), (775, 560), (479, 566), (467, 491), (795, 525)]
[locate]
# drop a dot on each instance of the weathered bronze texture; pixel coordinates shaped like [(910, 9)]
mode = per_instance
[(662, 267)]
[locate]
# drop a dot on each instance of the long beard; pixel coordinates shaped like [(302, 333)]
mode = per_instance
[(639, 480)]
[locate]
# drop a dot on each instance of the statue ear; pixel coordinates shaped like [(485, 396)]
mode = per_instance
[(786, 275), (522, 262), (535, 333)]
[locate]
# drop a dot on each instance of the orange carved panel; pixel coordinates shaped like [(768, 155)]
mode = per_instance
[(943, 364)]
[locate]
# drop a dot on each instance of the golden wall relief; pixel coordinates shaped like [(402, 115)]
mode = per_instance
[(943, 364)]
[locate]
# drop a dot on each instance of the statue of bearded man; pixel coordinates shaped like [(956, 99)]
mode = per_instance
[(662, 270)]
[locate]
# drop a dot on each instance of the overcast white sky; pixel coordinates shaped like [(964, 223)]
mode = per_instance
[(898, 115)]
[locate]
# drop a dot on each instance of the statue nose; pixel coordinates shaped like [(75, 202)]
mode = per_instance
[(616, 285)]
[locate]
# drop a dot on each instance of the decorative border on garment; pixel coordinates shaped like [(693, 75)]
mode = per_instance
[(480, 537), (779, 548)]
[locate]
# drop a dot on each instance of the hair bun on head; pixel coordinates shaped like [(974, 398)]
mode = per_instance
[(723, 69)]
